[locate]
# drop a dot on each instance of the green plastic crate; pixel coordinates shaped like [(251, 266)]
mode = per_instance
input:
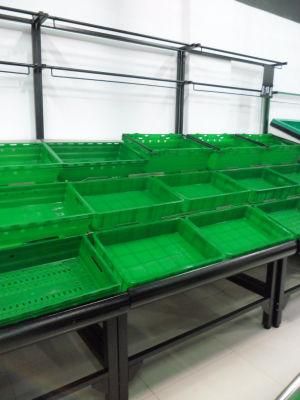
[(50, 276), (240, 230), (90, 160), (205, 190), (27, 163), (231, 151), (292, 172), (169, 152), (146, 253), (223, 141), (264, 184), (117, 202), (268, 140), (289, 126), (26, 212), (286, 212)]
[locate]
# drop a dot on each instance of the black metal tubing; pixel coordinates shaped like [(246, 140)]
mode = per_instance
[(32, 331), (159, 289), (179, 107), (248, 282), (167, 344), (222, 86), (280, 296)]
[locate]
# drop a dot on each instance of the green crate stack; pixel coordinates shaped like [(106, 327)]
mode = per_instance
[(205, 190), (169, 152), (91, 160), (231, 151), (22, 163), (117, 202)]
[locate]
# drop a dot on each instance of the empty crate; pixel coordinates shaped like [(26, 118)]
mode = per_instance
[(117, 202), (286, 212), (292, 172), (231, 151), (40, 278), (169, 152), (264, 184), (149, 252), (27, 163), (239, 230), (92, 160), (205, 190), (35, 212)]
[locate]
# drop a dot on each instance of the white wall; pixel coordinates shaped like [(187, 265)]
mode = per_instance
[(99, 111)]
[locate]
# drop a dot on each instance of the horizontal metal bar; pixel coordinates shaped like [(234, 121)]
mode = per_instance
[(125, 32), (292, 289), (18, 10), (156, 290), (15, 18), (248, 282), (243, 55), (287, 93), (222, 86), (72, 387), (286, 102), (110, 36), (110, 81), (152, 351), (93, 72), (17, 64), (220, 92), (15, 72), (32, 331)]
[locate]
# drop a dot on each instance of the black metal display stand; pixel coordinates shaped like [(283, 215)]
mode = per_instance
[(41, 21)]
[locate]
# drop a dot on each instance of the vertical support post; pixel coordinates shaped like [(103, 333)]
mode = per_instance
[(181, 57), (111, 338), (37, 73), (123, 357), (266, 94), (279, 299), (270, 295)]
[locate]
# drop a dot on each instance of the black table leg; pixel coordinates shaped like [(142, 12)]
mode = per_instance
[(111, 334), (279, 299), (123, 357), (270, 294)]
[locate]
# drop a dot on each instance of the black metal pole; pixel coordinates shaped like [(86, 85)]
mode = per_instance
[(280, 296), (180, 91), (267, 92), (37, 73)]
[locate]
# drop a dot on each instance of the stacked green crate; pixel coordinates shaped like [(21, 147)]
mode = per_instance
[(27, 163), (278, 150), (231, 151), (264, 184), (117, 202), (205, 190), (49, 276), (86, 160), (35, 212), (169, 152)]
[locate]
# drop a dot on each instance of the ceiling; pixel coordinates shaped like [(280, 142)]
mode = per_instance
[(289, 9)]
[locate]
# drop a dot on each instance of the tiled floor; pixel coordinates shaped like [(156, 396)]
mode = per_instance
[(238, 361)]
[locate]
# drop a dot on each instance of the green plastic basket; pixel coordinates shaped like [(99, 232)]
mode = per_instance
[(169, 152), (286, 212), (49, 209), (268, 139), (146, 253), (27, 163), (291, 172), (50, 276), (264, 184), (240, 230), (117, 202), (289, 126), (205, 190), (223, 141), (89, 160)]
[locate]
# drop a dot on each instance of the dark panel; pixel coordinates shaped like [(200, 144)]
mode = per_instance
[(289, 9)]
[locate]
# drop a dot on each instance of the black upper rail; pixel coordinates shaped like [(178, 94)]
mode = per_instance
[(135, 37)]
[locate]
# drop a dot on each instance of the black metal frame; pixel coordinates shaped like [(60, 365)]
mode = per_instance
[(37, 20)]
